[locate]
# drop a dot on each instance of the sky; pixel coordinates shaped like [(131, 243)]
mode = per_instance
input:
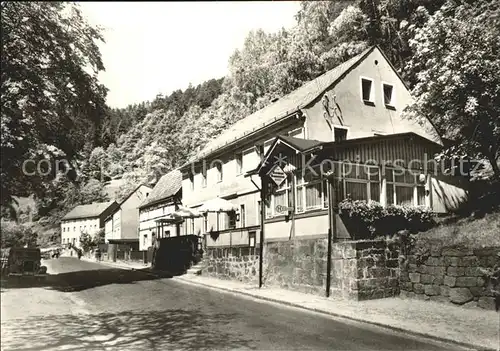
[(159, 47)]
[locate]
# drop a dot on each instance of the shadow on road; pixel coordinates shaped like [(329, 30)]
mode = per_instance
[(168, 329), (81, 280)]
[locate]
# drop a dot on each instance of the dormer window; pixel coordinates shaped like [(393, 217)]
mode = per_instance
[(388, 94), (367, 90)]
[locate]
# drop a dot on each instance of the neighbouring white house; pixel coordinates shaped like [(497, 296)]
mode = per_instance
[(164, 199), (121, 225), (85, 219)]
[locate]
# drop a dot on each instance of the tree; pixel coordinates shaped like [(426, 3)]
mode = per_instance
[(458, 85), (50, 92), (17, 235), (88, 242)]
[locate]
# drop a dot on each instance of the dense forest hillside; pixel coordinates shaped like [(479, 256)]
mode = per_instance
[(141, 142)]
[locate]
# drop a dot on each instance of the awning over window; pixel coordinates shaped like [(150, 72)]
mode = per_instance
[(218, 205)]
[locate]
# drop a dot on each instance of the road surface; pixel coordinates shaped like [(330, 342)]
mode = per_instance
[(88, 306)]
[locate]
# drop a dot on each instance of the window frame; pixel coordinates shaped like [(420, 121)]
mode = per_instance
[(238, 157), (220, 171), (414, 186), (347, 129), (302, 132), (243, 218), (372, 90), (191, 181), (368, 181), (393, 94), (270, 142), (203, 177)]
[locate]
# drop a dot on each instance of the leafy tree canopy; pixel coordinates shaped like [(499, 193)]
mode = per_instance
[(51, 99)]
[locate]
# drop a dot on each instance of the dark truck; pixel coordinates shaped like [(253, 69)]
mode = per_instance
[(22, 262)]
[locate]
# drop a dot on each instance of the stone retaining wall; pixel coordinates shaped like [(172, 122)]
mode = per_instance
[(298, 265), (451, 275), (360, 270), (365, 270), (236, 263)]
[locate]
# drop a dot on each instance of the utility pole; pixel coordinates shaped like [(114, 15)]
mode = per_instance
[(263, 196), (332, 231)]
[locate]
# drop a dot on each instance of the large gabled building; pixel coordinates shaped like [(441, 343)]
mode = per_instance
[(121, 226), (164, 199), (359, 105), (85, 219)]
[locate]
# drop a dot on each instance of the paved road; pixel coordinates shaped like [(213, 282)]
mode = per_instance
[(87, 306)]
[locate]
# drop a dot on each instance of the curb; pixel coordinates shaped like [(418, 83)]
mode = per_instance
[(114, 264), (317, 310)]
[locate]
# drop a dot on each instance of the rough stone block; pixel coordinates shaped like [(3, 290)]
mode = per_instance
[(423, 269), (457, 251), (378, 272), (414, 277), (468, 261), (477, 291), (451, 261), (449, 280), (481, 281), (460, 295), (432, 290), (392, 263), (426, 278), (412, 267), (444, 290), (406, 286), (403, 294), (455, 271), (437, 270), (472, 271), (466, 281), (418, 288), (471, 304), (366, 262), (436, 250), (438, 279), (488, 251), (486, 302), (434, 261)]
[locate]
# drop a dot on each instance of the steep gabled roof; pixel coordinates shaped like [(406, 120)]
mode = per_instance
[(282, 108), (167, 186), (88, 211), (133, 192)]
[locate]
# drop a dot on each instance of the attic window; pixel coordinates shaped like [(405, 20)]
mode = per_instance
[(388, 95), (339, 134), (367, 90)]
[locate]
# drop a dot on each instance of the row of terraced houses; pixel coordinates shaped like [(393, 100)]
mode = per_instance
[(348, 120)]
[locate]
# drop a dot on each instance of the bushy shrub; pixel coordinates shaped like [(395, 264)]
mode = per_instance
[(17, 234), (369, 219)]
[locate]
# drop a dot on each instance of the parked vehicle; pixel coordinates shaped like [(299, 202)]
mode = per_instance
[(22, 262)]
